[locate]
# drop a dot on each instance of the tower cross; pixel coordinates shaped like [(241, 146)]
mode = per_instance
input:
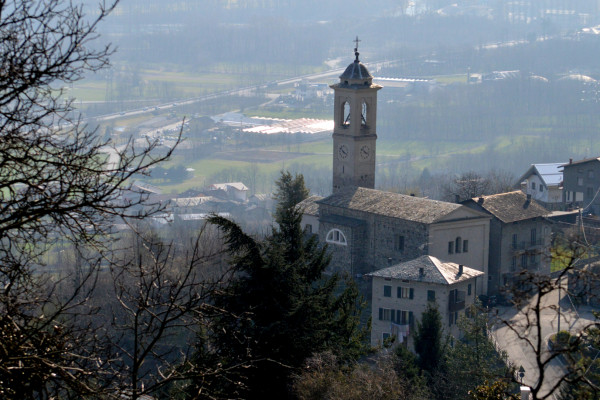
[(357, 40)]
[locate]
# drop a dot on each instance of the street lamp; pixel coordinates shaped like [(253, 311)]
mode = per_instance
[(521, 373)]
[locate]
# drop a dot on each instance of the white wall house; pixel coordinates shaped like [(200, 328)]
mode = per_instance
[(544, 182), (235, 190), (401, 294)]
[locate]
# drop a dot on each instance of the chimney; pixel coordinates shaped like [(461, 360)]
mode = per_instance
[(460, 269), (528, 197), (421, 272), (570, 161), (480, 201)]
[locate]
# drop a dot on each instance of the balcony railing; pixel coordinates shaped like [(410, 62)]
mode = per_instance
[(527, 244)]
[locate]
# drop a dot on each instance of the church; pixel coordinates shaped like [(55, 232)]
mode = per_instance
[(367, 229)]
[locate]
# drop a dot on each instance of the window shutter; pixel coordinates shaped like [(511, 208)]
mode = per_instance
[(411, 319), (399, 292), (412, 293), (393, 314), (380, 314)]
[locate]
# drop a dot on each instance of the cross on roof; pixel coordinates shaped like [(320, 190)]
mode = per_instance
[(357, 40)]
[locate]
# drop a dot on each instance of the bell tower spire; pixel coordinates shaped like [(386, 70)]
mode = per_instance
[(354, 128)]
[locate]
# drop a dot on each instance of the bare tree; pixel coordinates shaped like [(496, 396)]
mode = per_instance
[(58, 183), (157, 295), (540, 313), (472, 184)]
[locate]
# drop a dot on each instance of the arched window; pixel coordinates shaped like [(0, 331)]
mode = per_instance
[(364, 113), (346, 113), (458, 245), (336, 236)]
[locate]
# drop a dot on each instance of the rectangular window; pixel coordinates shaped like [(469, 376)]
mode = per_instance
[(402, 317), (523, 261), (405, 293), (431, 295), (469, 289), (385, 314), (579, 181), (590, 173), (541, 188), (533, 236), (399, 245), (515, 240), (451, 247), (465, 246), (533, 185), (385, 335), (513, 264), (308, 228), (532, 259), (590, 192), (387, 291)]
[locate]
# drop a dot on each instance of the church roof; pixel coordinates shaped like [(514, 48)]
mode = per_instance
[(393, 205), (433, 271), (309, 205), (511, 206)]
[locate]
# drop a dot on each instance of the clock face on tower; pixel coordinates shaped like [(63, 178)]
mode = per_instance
[(365, 152), (343, 151)]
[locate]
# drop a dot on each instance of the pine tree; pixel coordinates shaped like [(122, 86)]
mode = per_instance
[(279, 309), (429, 344), (291, 190)]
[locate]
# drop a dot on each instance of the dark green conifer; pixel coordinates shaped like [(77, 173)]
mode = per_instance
[(279, 309)]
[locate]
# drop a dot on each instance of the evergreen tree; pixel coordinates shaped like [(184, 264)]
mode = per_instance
[(429, 342), (279, 309), (474, 360), (291, 190)]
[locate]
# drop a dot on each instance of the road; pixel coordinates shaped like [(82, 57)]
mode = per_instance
[(522, 351), (376, 65)]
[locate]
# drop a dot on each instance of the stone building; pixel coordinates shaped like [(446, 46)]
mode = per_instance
[(519, 236), (401, 293), (581, 183), (368, 229)]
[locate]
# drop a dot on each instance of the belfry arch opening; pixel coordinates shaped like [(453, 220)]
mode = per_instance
[(364, 113), (346, 113)]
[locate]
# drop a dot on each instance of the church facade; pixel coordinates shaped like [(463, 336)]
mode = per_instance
[(367, 229)]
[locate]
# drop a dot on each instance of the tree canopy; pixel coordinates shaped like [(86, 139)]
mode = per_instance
[(280, 308)]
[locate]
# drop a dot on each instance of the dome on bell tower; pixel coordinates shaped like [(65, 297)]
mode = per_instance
[(356, 73)]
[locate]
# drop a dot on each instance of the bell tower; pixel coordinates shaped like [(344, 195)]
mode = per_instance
[(354, 128)]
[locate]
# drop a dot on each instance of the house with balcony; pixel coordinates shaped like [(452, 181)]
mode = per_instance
[(519, 240), (400, 294)]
